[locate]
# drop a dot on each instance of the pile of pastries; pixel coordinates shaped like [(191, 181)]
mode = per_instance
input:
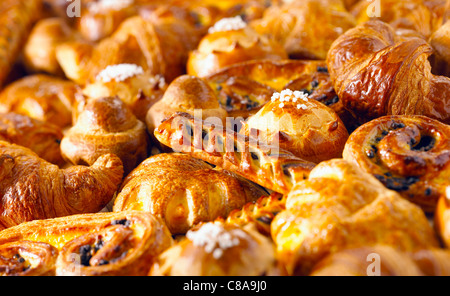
[(225, 138)]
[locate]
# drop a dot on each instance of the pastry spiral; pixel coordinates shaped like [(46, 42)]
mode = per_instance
[(377, 73), (340, 206), (40, 96), (305, 127), (408, 154), (41, 137), (217, 249), (32, 188), (183, 191), (106, 126), (108, 244), (264, 164)]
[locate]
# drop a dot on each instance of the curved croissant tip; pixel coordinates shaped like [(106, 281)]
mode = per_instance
[(110, 161)]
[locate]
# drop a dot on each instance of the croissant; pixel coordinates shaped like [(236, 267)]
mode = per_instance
[(375, 75), (340, 206), (39, 50), (159, 47), (17, 17), (243, 88), (43, 97), (217, 249), (440, 41), (408, 154), (32, 188), (305, 127), (262, 163), (228, 42), (292, 25), (384, 260), (106, 126), (108, 244), (41, 137), (186, 94), (183, 191)]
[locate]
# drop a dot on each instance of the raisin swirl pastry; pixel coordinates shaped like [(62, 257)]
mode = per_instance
[(32, 188), (305, 127), (40, 96), (108, 244), (183, 191), (262, 163), (391, 262), (340, 206), (106, 126), (228, 42), (217, 249), (27, 258), (408, 154), (377, 73), (41, 137)]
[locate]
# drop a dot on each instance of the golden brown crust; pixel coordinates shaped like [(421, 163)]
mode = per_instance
[(217, 249), (183, 191), (220, 49), (106, 126), (43, 97), (375, 73), (32, 188), (441, 218), (266, 165), (112, 244), (340, 206), (41, 137), (185, 94), (408, 154), (293, 26), (312, 131)]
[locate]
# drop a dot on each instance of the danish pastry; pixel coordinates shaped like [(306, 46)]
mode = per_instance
[(263, 163), (374, 74), (183, 191), (290, 24), (41, 137), (186, 94), (32, 188), (305, 127), (384, 260), (40, 96), (408, 154), (340, 206), (108, 244), (230, 41), (217, 249), (106, 126)]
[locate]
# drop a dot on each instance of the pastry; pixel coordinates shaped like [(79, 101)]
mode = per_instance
[(106, 126), (183, 191), (375, 74), (291, 25), (230, 41), (40, 96), (441, 218), (243, 88), (108, 244), (383, 260), (17, 17), (41, 137), (136, 88), (262, 163), (32, 188), (408, 154), (305, 127), (217, 249), (189, 94), (340, 206)]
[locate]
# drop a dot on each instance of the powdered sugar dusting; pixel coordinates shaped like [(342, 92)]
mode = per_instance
[(119, 72), (228, 24), (288, 95)]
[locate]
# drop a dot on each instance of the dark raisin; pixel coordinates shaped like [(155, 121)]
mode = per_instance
[(123, 222), (322, 69), (314, 83), (254, 156), (264, 219), (428, 191)]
